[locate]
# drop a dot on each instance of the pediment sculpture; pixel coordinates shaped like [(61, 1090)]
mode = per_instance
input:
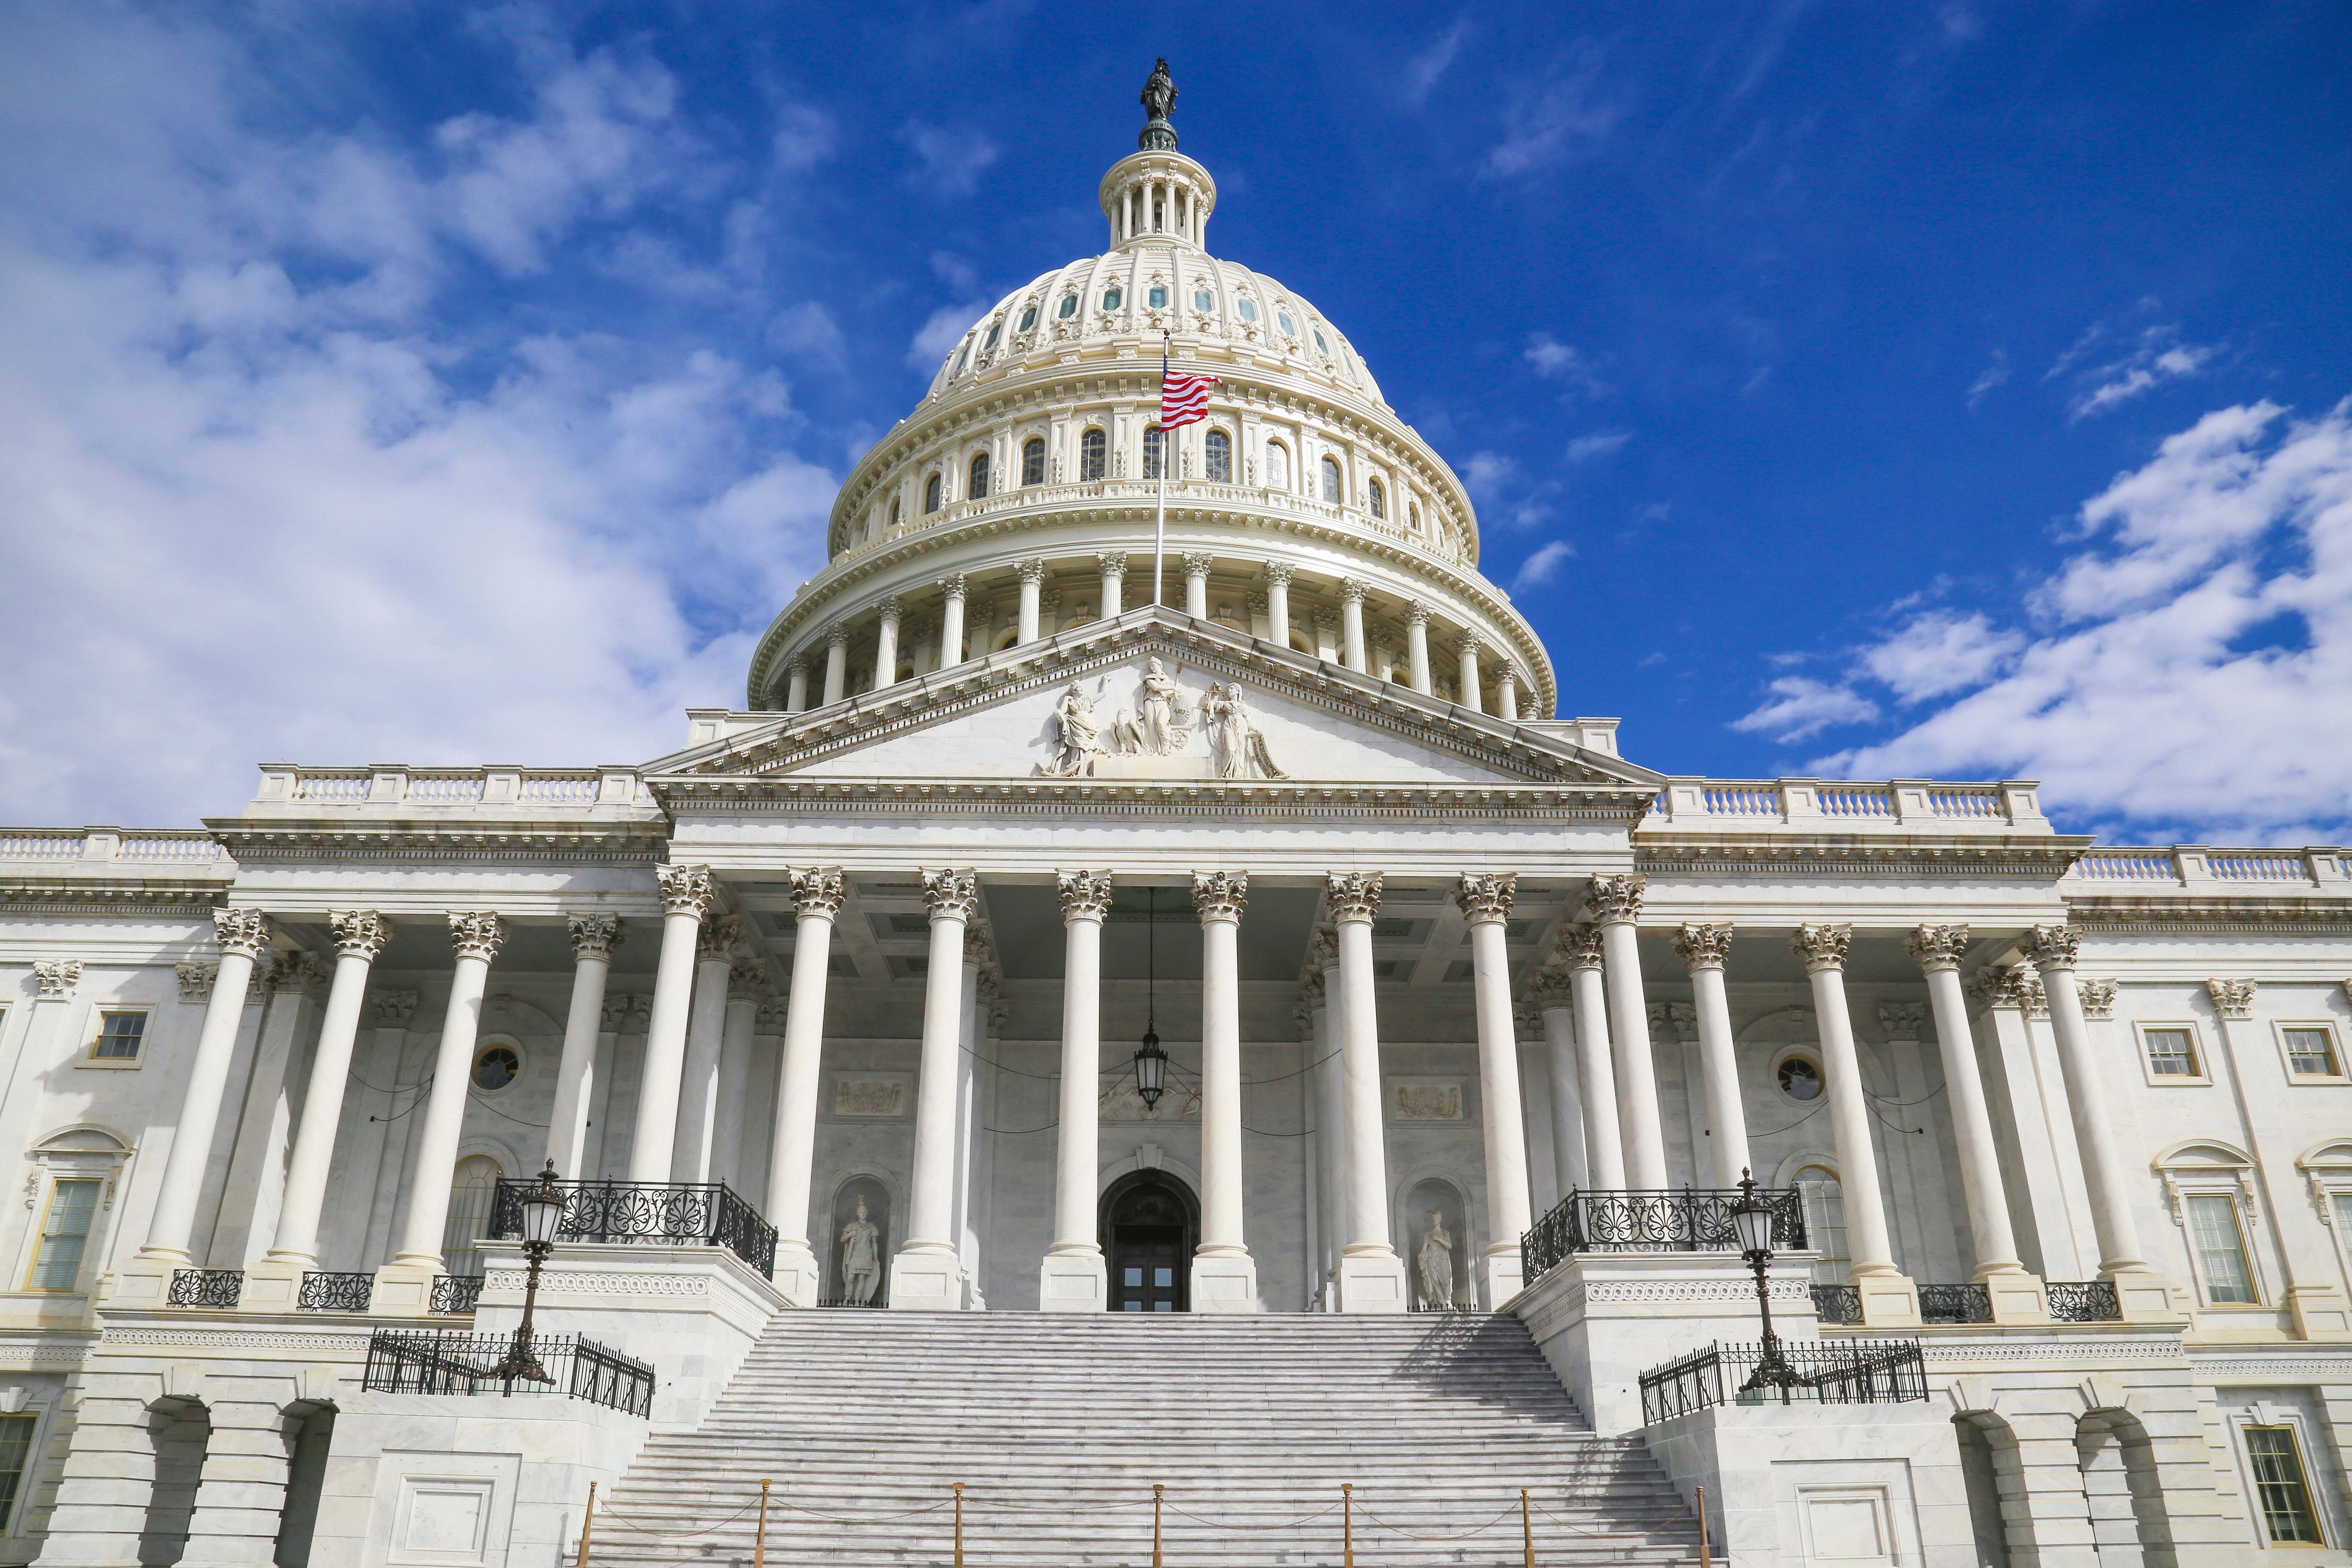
[(1163, 723)]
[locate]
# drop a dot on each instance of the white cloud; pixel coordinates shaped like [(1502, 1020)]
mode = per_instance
[(1556, 360), (953, 161), (1542, 567), (1422, 71), (2194, 660), (1996, 371), (1486, 473), (1563, 119), (1600, 444), (2109, 365), (1940, 653), (805, 137), (1802, 706), (939, 333)]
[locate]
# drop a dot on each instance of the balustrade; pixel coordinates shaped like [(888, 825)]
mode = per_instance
[(322, 1292), (1955, 1304), (456, 1294), (1693, 1220), (2083, 1300), (437, 1361), (217, 1288), (678, 1213), (1845, 1372)]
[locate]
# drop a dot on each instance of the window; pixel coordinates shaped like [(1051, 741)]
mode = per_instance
[(2339, 1204), (1152, 443), (2171, 1050), (962, 359), (1823, 1197), (2280, 1486), (1069, 306), (1203, 302), (1090, 454), (65, 1234), (1220, 450), (1319, 343), (995, 330), (1158, 297), (1380, 499), (119, 1037), (1290, 328), (1111, 296), (1801, 1080), (495, 1067), (1246, 308), (1330, 480), (15, 1448), (1277, 466), (2311, 1050), (932, 493), (1028, 319), (1413, 514), (2221, 1246), (978, 488), (1032, 460)]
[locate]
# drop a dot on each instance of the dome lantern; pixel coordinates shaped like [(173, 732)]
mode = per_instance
[(1156, 192)]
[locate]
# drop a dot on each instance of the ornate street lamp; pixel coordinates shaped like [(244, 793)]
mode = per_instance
[(1151, 1061), (542, 1216), (1751, 1219)]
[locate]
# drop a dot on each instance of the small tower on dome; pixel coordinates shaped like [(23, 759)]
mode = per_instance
[(1156, 192)]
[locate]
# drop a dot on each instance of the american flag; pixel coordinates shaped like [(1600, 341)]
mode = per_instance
[(1183, 399)]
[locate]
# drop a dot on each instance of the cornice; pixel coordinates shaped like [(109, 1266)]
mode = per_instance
[(2178, 916), (637, 843), (795, 793), (1847, 855), (59, 896)]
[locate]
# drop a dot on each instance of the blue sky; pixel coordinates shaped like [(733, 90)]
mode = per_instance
[(1951, 390)]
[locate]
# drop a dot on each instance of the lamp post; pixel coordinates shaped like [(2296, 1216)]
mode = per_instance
[(542, 1216), (1751, 1218)]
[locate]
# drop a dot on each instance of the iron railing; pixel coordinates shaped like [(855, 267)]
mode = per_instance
[(879, 1303), (1837, 1304), (1694, 1219), (335, 1292), (216, 1288), (1951, 1304), (457, 1293), (432, 1361), (1841, 1372), (2082, 1301), (683, 1214)]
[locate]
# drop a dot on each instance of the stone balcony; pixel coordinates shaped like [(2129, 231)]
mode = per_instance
[(1811, 807), (394, 789)]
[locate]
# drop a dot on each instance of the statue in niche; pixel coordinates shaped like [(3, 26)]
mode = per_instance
[(1435, 1265), (1237, 748), (861, 1259), (1078, 739)]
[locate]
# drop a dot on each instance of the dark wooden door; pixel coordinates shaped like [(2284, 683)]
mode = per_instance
[(1148, 1269)]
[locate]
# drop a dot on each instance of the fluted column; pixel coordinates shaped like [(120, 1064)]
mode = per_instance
[(1553, 1000), (1596, 1071), (1071, 1279), (2016, 1295), (1507, 694), (747, 988), (1416, 647), (1704, 949), (923, 1276), (1113, 564), (594, 938), (1277, 602), (477, 935), (1884, 1290), (836, 662), (1372, 1275), (1486, 903), (1196, 583), (1032, 580), (951, 636), (1616, 905), (1466, 691), (797, 684), (818, 897), (1331, 1106), (687, 894), (886, 642), (1225, 1276), (697, 1099), (1351, 622)]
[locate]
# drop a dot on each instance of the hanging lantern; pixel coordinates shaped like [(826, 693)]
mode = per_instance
[(1151, 1071)]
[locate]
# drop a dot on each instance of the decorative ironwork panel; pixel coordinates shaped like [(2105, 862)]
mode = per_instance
[(1838, 1304), (680, 1214), (457, 1293), (216, 1288), (1694, 1219), (336, 1292), (1955, 1304), (431, 1361), (876, 1305), (2084, 1301), (1846, 1372)]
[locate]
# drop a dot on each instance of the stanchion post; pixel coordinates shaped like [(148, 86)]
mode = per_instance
[(1157, 1488), (760, 1541), (587, 1520), (959, 1549), (1704, 1560), (1527, 1531), (1347, 1524)]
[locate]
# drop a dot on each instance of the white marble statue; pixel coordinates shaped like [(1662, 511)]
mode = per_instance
[(1078, 739), (1237, 748), (861, 1259), (1436, 1264), (1162, 719)]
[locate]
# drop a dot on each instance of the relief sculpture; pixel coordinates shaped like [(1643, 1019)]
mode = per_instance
[(1161, 723)]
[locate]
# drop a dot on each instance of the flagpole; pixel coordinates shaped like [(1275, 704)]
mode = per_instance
[(1159, 522)]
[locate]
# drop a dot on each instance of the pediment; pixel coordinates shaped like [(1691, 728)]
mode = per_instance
[(1087, 705)]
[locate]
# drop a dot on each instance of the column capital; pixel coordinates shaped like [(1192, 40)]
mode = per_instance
[(916, 628), (1256, 604), (1548, 986), (2012, 986), (296, 972), (2052, 947), (2231, 998), (686, 889), (595, 936), (2097, 997), (1032, 571), (359, 933), (1416, 614), (58, 977), (1469, 643), (950, 895), (394, 1009), (1821, 946), (1279, 574), (1353, 589), (241, 930), (1354, 896), (798, 664), (836, 635), (1113, 563), (1615, 901), (888, 607), (195, 980), (978, 939), (1322, 950), (1703, 946), (1486, 898), (746, 977), (476, 934), (1902, 1020), (819, 890), (716, 940), (1582, 946), (953, 584), (1197, 563), (1937, 948), (1084, 895), (1220, 895), (1326, 618), (626, 1015)]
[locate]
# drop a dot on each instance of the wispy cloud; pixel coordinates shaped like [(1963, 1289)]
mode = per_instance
[(952, 161), (1562, 118), (1996, 371), (1599, 444), (1563, 363), (2112, 362), (1422, 71), (805, 137), (1542, 567), (1799, 706)]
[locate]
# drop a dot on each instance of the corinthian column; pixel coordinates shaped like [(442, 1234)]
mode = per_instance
[(924, 1275), (688, 894), (797, 684), (1888, 1297), (1277, 603), (836, 662), (1372, 1275), (1416, 647), (1032, 580), (477, 935), (594, 938), (818, 897), (1616, 905), (1596, 1071), (1196, 583), (1468, 646), (886, 644), (1485, 902), (1351, 622), (1702, 949), (1554, 1003), (1072, 1277), (952, 620), (706, 1036), (1113, 563), (1225, 1277)]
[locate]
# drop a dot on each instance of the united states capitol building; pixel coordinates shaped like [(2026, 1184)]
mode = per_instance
[(1251, 1036)]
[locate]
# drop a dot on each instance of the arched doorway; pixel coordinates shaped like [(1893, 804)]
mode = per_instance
[(1148, 1225)]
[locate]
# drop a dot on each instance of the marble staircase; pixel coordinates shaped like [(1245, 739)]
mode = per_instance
[(1059, 1425)]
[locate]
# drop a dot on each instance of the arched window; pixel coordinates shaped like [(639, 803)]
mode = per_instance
[(978, 488), (932, 493), (1220, 450), (1090, 454), (1413, 514), (1277, 466), (1380, 499), (894, 512), (1823, 1195), (1032, 460), (1331, 481), (1152, 445)]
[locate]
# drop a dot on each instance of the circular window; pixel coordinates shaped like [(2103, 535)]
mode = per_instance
[(1028, 318), (1202, 300), (1290, 328), (1158, 299), (1247, 308), (1800, 1078), (495, 1066), (1069, 306), (1110, 298)]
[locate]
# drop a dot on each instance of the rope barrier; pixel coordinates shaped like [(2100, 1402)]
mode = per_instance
[(1464, 1535)]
